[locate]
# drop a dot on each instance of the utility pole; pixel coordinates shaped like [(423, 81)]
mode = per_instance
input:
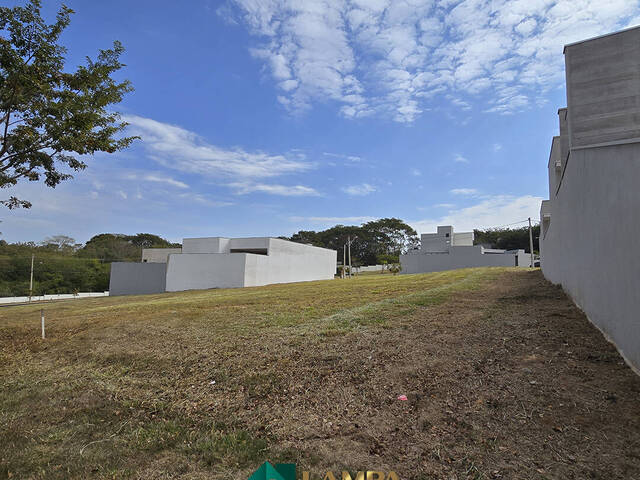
[(344, 259), (349, 242), (531, 241), (31, 281)]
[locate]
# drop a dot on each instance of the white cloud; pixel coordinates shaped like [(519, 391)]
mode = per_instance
[(349, 158), (203, 200), (463, 191), (497, 147), (156, 178), (359, 190), (389, 57), (459, 158), (179, 149), (333, 220), (415, 172), (163, 179), (493, 211), (243, 188)]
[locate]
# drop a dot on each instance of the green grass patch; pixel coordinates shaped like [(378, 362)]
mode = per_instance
[(123, 384)]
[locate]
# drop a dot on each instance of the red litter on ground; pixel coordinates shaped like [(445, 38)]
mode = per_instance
[(402, 398)]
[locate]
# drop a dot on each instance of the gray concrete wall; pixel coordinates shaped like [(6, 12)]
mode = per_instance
[(444, 238), (458, 257), (128, 278), (158, 255), (591, 222), (463, 239), (590, 245), (603, 89), (205, 245), (290, 262), (197, 271)]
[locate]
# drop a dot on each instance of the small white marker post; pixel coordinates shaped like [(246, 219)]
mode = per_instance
[(42, 321)]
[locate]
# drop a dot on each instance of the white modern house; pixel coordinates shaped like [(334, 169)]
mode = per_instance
[(447, 250), (218, 262), (591, 223)]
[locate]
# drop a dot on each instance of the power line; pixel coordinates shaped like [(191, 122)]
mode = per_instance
[(510, 224)]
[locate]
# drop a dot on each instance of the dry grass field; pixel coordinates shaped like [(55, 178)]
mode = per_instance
[(504, 378)]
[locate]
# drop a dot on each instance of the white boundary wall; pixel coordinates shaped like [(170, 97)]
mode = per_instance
[(55, 296), (461, 257)]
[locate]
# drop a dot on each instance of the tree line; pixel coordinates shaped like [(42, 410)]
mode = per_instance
[(508, 238), (373, 243), (63, 266)]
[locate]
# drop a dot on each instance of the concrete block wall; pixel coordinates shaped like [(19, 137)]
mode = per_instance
[(603, 89), (129, 278), (589, 245), (158, 255), (205, 245), (197, 271), (444, 238), (591, 222), (458, 257), (290, 262)]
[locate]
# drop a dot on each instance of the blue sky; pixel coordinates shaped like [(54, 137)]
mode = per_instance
[(268, 117)]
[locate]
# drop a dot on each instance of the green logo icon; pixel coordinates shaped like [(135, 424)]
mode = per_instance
[(281, 471)]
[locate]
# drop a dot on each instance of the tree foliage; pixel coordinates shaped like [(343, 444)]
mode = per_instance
[(508, 238), (373, 242), (116, 247), (63, 266), (46, 113)]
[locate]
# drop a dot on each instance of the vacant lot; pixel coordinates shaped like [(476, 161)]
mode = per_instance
[(504, 377)]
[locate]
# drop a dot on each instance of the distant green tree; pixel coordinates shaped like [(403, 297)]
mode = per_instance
[(111, 247), (61, 243), (148, 240), (508, 238), (390, 236), (370, 241), (115, 247), (48, 113), (308, 237)]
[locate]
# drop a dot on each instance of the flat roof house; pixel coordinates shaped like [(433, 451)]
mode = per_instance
[(447, 250), (218, 262)]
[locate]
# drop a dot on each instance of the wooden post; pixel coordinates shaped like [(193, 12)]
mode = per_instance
[(42, 321)]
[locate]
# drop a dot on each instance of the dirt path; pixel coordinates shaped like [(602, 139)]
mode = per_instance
[(508, 382)]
